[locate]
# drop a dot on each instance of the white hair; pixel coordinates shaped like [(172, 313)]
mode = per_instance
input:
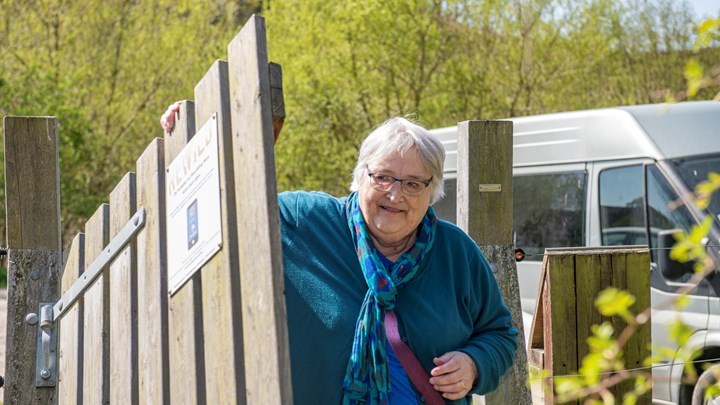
[(401, 135)]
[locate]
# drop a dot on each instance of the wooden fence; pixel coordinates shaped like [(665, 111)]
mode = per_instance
[(125, 339), (571, 280)]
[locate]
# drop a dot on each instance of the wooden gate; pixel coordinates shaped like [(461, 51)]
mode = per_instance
[(125, 339)]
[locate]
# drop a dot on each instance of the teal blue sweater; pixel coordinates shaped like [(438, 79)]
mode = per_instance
[(452, 303)]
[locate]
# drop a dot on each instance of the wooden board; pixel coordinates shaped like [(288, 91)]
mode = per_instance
[(267, 354), (123, 299), (32, 193), (562, 338), (588, 282), (70, 333), (152, 319), (220, 275), (96, 371), (185, 316)]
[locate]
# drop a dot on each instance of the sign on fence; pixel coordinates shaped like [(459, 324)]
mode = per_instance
[(193, 200)]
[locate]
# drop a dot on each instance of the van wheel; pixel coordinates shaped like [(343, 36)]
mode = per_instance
[(710, 378)]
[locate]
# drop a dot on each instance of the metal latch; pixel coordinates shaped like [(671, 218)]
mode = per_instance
[(51, 312)]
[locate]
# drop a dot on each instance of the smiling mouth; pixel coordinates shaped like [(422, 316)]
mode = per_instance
[(390, 209)]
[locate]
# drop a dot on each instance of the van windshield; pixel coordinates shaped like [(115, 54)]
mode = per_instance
[(696, 169)]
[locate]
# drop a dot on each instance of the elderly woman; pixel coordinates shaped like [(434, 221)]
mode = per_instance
[(387, 304), (351, 261)]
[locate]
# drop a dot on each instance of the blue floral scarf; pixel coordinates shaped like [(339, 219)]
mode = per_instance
[(367, 379)]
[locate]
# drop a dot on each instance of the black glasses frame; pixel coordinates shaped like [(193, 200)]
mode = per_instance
[(402, 182)]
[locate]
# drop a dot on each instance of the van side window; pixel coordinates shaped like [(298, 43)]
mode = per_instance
[(548, 211), (622, 212), (663, 214), (446, 208)]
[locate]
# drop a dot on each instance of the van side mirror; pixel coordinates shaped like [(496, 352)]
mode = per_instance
[(670, 268)]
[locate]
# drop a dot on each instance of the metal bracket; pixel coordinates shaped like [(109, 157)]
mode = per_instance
[(46, 356), (108, 254), (50, 312)]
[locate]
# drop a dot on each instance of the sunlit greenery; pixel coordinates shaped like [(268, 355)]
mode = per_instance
[(108, 75)]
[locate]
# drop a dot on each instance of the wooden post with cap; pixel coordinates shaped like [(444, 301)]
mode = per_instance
[(484, 211), (32, 197)]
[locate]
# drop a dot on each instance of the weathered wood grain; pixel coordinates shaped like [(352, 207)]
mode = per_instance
[(485, 158), (224, 377), (70, 333), (123, 299), (185, 317), (153, 346), (267, 354), (32, 191), (96, 371)]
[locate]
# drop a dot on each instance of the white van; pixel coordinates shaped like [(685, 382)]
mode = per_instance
[(607, 177)]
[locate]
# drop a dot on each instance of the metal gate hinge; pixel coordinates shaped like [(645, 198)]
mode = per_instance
[(46, 356)]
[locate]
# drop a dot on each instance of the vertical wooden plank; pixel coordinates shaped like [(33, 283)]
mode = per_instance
[(70, 333), (264, 314), (588, 282), (185, 317), (561, 282), (220, 275), (547, 333), (96, 370), (123, 299), (32, 197), (153, 355), (638, 283), (485, 163)]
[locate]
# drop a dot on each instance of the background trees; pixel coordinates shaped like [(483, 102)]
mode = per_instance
[(348, 65)]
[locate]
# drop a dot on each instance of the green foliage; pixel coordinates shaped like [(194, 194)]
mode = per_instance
[(107, 75), (696, 75), (706, 189), (613, 301), (689, 246), (350, 65)]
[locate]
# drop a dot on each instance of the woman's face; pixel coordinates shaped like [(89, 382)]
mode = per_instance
[(392, 215)]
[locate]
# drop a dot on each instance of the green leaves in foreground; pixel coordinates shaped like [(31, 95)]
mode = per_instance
[(690, 246), (613, 301)]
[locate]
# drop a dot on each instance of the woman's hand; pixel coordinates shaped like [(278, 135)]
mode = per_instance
[(454, 375), (167, 121)]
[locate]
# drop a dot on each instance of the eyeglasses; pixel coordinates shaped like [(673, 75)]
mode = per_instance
[(383, 182)]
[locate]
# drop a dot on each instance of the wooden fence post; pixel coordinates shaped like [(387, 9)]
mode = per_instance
[(185, 317), (152, 299), (71, 332), (224, 368), (96, 356), (123, 339), (484, 211), (32, 190), (267, 353)]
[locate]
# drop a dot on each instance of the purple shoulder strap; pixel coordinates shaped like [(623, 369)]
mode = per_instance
[(410, 363)]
